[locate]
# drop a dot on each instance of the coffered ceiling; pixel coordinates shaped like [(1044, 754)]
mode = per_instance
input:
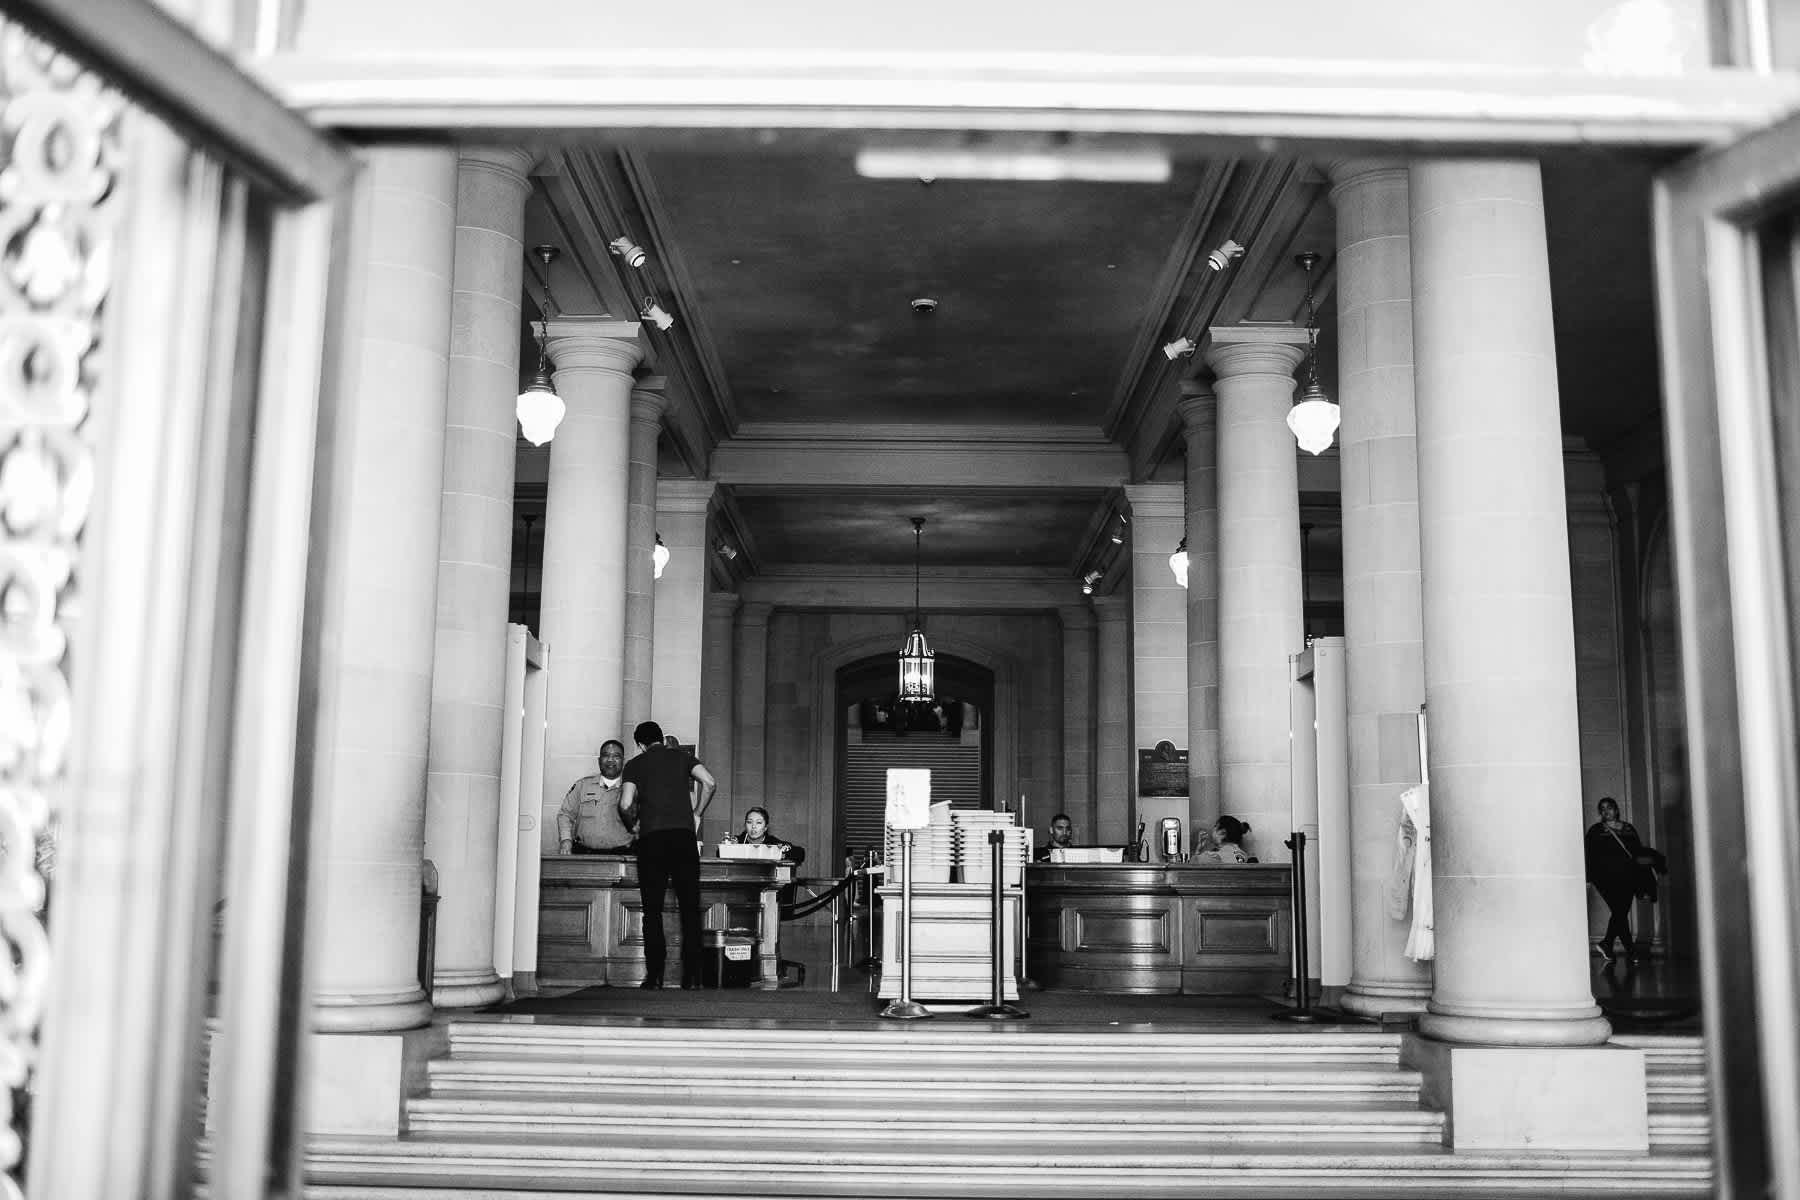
[(792, 280)]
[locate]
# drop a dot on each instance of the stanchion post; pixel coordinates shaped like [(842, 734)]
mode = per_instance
[(1303, 1010), (905, 1008), (997, 1009)]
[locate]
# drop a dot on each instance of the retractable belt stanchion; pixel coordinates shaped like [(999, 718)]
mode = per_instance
[(998, 1009), (1303, 1010), (904, 1007)]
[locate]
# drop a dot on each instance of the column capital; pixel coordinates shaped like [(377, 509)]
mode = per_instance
[(1235, 351), (1076, 618), (649, 398), (756, 612), (1112, 610), (722, 604), (1350, 172), (592, 343), (685, 495), (512, 163), (1151, 500)]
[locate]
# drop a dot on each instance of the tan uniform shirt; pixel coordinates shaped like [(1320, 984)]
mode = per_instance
[(590, 815)]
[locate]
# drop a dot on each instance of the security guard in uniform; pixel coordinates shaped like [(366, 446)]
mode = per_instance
[(588, 821)]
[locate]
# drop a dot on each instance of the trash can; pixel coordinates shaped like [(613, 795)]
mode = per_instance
[(730, 958)]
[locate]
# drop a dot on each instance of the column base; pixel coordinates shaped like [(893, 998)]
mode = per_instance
[(466, 989), (1535, 1098), (360, 1081), (360, 1014), (1373, 1001), (1588, 1029)]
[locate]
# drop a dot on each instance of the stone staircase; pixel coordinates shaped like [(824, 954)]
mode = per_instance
[(1675, 1077), (642, 1109)]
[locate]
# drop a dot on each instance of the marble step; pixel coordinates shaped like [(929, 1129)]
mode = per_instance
[(448, 1167), (926, 1123), (1674, 1086), (1665, 1049), (1016, 1083), (1681, 1128)]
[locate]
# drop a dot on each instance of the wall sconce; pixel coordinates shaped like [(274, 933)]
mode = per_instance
[(1221, 258), (630, 251), (1182, 347), (1088, 581), (659, 558), (1178, 563), (1314, 418), (539, 409), (656, 314)]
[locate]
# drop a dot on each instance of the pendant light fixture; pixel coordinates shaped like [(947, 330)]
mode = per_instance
[(1178, 562), (659, 557), (917, 669), (1315, 418), (540, 409)]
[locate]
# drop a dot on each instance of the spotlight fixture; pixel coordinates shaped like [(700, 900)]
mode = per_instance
[(918, 669), (1178, 562), (1182, 347), (1088, 581), (1221, 258), (630, 251), (1314, 418), (659, 557), (656, 314), (1118, 531), (540, 410), (726, 550)]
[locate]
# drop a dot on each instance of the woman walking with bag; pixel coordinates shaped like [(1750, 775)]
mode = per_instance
[(1618, 865)]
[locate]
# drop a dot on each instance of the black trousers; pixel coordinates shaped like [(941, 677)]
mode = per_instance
[(1619, 897), (664, 857)]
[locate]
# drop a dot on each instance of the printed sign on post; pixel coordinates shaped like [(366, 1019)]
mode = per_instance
[(908, 797)]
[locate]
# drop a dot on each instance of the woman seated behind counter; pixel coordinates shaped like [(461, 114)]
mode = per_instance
[(1227, 843), (756, 832)]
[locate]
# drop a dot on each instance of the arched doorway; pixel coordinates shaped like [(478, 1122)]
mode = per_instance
[(952, 737)]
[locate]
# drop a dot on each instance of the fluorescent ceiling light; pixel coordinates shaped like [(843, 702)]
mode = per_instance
[(1093, 166)]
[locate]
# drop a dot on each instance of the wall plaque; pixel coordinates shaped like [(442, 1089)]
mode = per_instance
[(1162, 771)]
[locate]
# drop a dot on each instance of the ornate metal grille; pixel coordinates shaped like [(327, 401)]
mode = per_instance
[(59, 154)]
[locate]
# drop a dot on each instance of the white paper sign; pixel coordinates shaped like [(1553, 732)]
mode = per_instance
[(908, 797)]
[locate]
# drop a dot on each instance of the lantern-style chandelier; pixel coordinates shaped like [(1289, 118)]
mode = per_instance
[(917, 669), (1315, 418), (540, 409)]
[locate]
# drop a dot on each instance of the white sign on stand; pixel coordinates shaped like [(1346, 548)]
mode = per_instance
[(908, 797)]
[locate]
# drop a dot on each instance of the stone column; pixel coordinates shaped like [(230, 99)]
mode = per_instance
[(1383, 636), (1199, 428), (583, 606), (462, 805), (1159, 638), (1259, 576), (375, 673), (752, 704), (1512, 956), (1078, 721), (648, 403), (718, 708), (1114, 784), (681, 510)]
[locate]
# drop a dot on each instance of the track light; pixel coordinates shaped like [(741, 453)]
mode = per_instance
[(726, 550), (1182, 347), (656, 314), (1088, 581), (659, 558), (1221, 258), (630, 251)]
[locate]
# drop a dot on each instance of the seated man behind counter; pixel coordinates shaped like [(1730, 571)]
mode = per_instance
[(589, 821)]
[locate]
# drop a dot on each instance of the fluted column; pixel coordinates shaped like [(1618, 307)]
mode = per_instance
[(376, 663), (1114, 785), (1078, 721), (1199, 429), (462, 804), (681, 510), (1259, 576), (583, 621), (718, 708), (1499, 646), (752, 704), (1383, 636), (648, 403)]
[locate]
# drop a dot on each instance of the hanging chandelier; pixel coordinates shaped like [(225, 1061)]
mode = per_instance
[(1314, 418), (540, 410), (917, 670)]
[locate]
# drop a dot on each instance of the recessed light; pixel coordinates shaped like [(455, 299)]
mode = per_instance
[(736, 261), (924, 306), (1112, 266)]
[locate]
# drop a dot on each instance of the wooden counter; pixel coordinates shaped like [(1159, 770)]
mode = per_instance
[(1162, 929), (591, 922)]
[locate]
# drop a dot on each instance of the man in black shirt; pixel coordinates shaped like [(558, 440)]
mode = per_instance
[(658, 793)]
